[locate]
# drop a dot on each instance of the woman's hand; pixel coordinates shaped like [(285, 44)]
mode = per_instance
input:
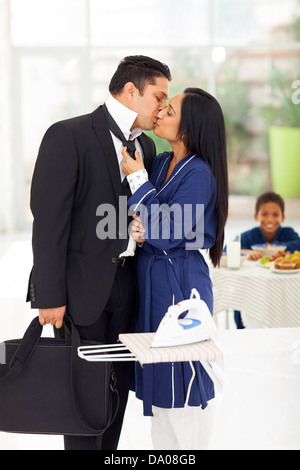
[(130, 165), (137, 229)]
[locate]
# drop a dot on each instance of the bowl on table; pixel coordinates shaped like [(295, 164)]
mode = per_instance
[(268, 249)]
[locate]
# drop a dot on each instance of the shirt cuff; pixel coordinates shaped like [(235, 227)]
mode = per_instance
[(137, 179)]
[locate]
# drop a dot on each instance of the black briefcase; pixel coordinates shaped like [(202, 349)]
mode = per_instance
[(46, 388)]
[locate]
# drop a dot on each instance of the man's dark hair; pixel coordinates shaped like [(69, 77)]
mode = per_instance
[(140, 70), (269, 197)]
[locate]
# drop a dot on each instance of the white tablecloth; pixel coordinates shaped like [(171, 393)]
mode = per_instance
[(271, 298)]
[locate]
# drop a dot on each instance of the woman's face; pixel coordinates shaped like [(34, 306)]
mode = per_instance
[(168, 121)]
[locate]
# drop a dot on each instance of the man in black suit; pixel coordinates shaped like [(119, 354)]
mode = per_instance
[(76, 268)]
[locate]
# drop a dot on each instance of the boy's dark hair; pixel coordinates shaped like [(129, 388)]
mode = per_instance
[(269, 197), (140, 70)]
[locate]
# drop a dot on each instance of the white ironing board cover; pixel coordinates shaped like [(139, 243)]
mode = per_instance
[(139, 344)]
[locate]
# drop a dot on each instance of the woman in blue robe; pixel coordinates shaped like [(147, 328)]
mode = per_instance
[(181, 209)]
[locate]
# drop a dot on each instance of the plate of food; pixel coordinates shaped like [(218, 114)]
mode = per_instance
[(265, 262), (285, 271), (269, 261), (269, 249), (288, 264)]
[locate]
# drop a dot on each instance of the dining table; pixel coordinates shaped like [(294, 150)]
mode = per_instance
[(262, 294)]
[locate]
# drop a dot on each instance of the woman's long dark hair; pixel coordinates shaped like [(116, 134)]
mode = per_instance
[(202, 130)]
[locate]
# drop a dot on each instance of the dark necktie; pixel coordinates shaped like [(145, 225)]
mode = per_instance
[(131, 148)]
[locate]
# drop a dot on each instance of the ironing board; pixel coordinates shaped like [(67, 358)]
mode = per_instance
[(262, 381), (137, 347)]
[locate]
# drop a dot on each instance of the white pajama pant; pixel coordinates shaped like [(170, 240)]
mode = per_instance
[(188, 428)]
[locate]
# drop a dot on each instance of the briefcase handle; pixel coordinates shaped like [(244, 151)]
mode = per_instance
[(26, 349)]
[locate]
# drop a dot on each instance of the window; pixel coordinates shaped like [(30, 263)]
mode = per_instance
[(36, 23), (58, 56)]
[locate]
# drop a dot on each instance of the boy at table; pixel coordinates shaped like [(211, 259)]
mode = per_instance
[(270, 213)]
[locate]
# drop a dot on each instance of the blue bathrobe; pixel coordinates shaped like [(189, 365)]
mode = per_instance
[(180, 218)]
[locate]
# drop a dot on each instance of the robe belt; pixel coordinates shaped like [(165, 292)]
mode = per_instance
[(175, 283)]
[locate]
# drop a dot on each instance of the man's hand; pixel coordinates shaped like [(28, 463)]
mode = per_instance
[(54, 316)]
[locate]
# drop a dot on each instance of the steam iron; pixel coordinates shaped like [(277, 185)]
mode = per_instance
[(197, 325)]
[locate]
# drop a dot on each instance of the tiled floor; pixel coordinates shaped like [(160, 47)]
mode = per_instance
[(15, 315)]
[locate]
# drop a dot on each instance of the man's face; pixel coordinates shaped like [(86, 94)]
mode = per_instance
[(148, 105)]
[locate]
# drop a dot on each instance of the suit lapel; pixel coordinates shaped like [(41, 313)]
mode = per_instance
[(103, 134), (148, 148), (102, 131)]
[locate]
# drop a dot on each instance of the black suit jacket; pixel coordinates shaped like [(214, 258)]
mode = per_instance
[(76, 171)]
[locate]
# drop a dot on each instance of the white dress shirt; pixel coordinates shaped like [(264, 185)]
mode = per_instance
[(125, 118)]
